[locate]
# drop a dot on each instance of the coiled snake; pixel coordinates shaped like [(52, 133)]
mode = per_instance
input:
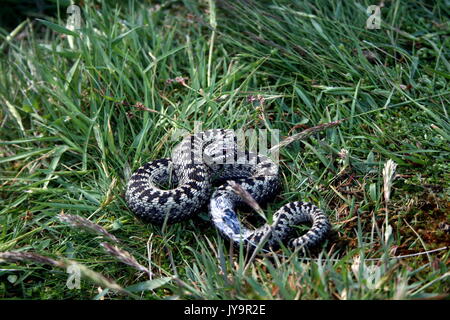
[(211, 157)]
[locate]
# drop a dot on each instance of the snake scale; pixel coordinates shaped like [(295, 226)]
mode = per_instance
[(212, 157)]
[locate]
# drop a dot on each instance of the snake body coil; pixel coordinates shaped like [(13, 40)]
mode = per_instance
[(213, 156)]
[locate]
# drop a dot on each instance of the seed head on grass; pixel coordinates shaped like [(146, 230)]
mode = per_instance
[(125, 257), (83, 223), (181, 80), (12, 256), (305, 133), (247, 197), (388, 178), (97, 277), (31, 257), (343, 154), (109, 197)]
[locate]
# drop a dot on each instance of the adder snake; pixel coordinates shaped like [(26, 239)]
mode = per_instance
[(213, 157)]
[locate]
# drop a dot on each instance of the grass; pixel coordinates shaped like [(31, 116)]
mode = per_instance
[(82, 109)]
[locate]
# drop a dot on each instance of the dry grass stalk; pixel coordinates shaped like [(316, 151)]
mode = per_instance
[(125, 257), (248, 199), (305, 133), (12, 256), (31, 257), (85, 224)]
